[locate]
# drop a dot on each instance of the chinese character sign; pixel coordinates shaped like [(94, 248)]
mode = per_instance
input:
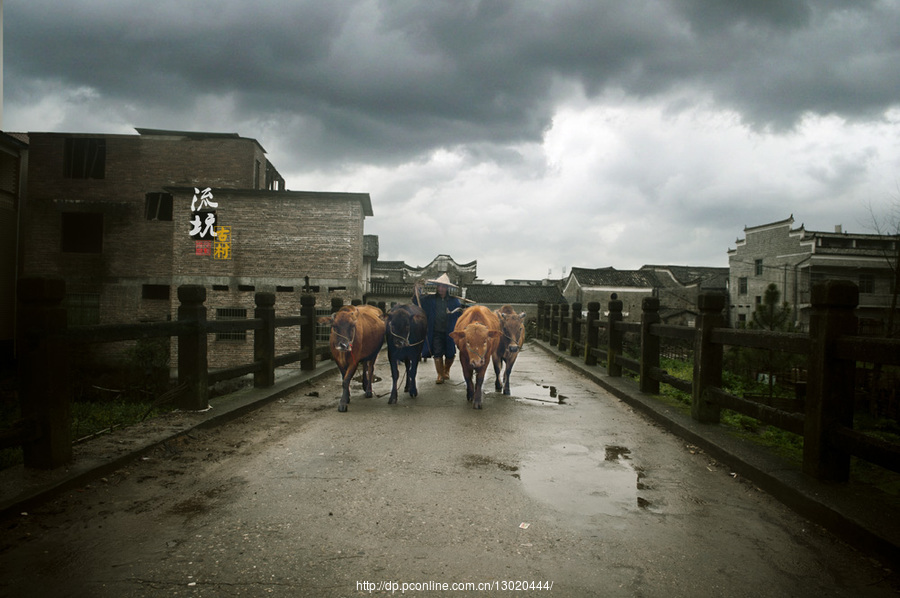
[(222, 244), (209, 238), (206, 199), (203, 225), (203, 222)]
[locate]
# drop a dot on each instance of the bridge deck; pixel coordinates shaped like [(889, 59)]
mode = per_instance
[(561, 482)]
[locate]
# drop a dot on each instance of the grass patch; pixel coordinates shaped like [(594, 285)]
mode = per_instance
[(89, 419), (785, 444), (92, 418)]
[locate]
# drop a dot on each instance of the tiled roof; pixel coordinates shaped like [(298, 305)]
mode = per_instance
[(615, 278), (389, 265), (706, 277), (513, 294)]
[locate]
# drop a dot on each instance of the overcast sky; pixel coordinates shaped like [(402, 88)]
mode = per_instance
[(531, 136)]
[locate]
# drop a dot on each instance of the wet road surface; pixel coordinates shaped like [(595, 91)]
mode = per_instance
[(559, 486)]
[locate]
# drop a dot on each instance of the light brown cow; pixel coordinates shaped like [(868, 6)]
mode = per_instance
[(476, 335), (512, 327), (357, 333)]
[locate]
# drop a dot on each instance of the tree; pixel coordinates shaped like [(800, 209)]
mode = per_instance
[(775, 316), (769, 315), (889, 225)]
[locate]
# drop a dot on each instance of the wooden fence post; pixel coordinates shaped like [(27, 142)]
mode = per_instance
[(545, 330), (539, 332), (575, 335), (308, 331), (593, 333), (649, 344), (43, 372), (554, 325), (563, 340), (616, 337), (264, 340), (192, 357), (707, 357), (336, 304), (830, 386)]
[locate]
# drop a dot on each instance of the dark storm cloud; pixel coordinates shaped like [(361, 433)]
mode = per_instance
[(384, 81)]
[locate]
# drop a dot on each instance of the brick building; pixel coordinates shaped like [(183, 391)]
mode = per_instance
[(113, 216), (13, 164), (677, 288), (630, 286), (796, 259), (680, 287)]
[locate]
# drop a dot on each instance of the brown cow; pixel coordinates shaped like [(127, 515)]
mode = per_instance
[(476, 335), (357, 333), (512, 327)]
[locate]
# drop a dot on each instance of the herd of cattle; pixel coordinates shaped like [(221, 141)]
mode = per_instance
[(481, 335)]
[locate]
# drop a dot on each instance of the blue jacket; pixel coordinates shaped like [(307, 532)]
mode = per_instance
[(428, 306)]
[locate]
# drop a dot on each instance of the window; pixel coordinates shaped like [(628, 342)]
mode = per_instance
[(231, 313), (158, 206), (82, 309), (323, 331), (85, 158), (155, 291), (281, 289), (742, 285), (758, 267), (82, 232), (866, 283), (758, 300)]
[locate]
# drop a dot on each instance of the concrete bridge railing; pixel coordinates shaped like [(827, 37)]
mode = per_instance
[(831, 347)]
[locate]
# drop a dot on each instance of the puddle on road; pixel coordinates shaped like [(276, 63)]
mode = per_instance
[(539, 393), (573, 479)]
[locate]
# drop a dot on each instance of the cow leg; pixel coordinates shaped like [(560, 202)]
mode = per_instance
[(345, 384), (368, 377), (412, 366), (509, 366), (467, 374), (395, 373), (479, 383), (406, 384), (498, 362)]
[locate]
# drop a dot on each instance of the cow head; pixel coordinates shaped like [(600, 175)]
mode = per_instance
[(398, 324), (478, 341), (343, 327), (513, 327)]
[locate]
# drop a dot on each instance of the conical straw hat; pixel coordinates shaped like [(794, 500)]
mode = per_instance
[(442, 279)]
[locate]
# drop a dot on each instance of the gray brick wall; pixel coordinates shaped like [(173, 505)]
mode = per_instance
[(278, 237)]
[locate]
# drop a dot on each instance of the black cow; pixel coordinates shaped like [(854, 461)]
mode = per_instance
[(405, 328)]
